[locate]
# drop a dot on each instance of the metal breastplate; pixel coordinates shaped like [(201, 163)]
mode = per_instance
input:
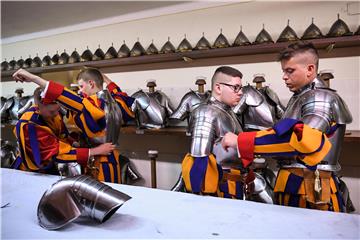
[(151, 109), (113, 118), (16, 106), (209, 123), (319, 107)]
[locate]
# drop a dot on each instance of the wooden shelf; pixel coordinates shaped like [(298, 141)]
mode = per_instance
[(175, 131), (352, 136), (328, 47)]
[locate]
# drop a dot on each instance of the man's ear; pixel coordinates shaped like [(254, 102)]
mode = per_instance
[(91, 83), (311, 69)]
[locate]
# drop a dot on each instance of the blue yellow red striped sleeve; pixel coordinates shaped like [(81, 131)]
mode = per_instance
[(123, 100), (289, 137)]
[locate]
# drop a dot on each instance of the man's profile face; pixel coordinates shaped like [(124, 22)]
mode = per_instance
[(85, 87), (49, 110), (231, 91)]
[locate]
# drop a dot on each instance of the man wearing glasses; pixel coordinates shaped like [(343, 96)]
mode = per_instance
[(209, 169), (317, 114)]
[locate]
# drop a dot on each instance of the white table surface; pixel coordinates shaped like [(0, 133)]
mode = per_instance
[(153, 213)]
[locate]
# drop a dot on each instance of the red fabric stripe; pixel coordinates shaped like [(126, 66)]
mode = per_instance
[(298, 130), (53, 92), (111, 86), (246, 142), (82, 155)]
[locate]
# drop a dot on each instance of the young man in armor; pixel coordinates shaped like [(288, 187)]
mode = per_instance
[(317, 114), (44, 142), (99, 115), (208, 169)]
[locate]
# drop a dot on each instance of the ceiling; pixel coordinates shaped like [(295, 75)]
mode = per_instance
[(25, 17)]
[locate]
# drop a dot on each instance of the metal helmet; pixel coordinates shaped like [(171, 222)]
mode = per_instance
[(263, 37), (55, 59), (72, 197), (5, 66), (124, 51), (36, 62), (312, 32), (339, 28), (151, 83), (87, 55), (184, 46), (98, 55), (111, 52), (357, 32), (27, 62), (200, 80), (152, 49), (46, 61), (241, 39), (19, 63), (326, 75), (12, 64), (64, 58), (75, 57), (203, 43), (221, 41), (137, 50), (168, 47), (288, 34), (259, 78)]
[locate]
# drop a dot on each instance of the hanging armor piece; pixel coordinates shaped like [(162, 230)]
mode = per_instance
[(152, 108), (27, 62), (75, 57), (15, 106), (12, 64), (312, 32), (7, 153), (168, 47), (260, 107), (326, 76), (124, 51), (357, 32), (263, 37), (55, 59), (19, 63), (46, 61), (152, 49), (191, 101), (221, 41), (86, 56), (98, 55), (111, 52), (203, 43), (64, 58), (184, 46), (72, 197), (241, 39), (339, 28), (36, 62), (137, 50), (5, 66), (288, 34)]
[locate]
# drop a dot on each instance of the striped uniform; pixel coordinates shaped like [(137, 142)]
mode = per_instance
[(41, 142), (89, 116)]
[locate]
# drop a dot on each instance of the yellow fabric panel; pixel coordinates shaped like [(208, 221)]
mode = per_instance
[(302, 189), (273, 148), (101, 176), (232, 187), (281, 180), (211, 176), (286, 199), (27, 115), (126, 108), (264, 133), (64, 149), (335, 203), (186, 167), (316, 157), (310, 141), (96, 112), (332, 186), (70, 102)]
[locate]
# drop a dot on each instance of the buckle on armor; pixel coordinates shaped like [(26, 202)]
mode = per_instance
[(92, 168)]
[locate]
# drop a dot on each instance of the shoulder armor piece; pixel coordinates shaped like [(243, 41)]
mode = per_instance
[(252, 96)]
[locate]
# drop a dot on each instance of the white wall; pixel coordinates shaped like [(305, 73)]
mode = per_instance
[(175, 82)]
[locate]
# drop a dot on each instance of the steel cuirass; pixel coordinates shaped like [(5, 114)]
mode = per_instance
[(151, 109), (72, 197), (320, 107), (258, 109), (15, 106)]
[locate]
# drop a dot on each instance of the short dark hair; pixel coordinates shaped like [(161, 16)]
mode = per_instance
[(298, 48), (230, 71), (37, 95), (91, 74)]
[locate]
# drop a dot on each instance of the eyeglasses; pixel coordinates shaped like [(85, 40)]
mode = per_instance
[(236, 88)]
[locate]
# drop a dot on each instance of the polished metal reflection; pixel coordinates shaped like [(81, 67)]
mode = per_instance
[(69, 169), (152, 49), (19, 63), (87, 55), (55, 59), (75, 57), (339, 28), (72, 197), (288, 34), (241, 39), (12, 64), (318, 106), (326, 75), (64, 58), (137, 50), (184, 45), (46, 61), (312, 32), (129, 174), (5, 66), (221, 41), (263, 37), (15, 106), (7, 153), (28, 62), (168, 47), (36, 62), (98, 55), (111, 52), (124, 51), (203, 43)]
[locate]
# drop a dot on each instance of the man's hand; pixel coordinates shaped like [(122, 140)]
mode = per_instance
[(229, 140), (22, 75), (103, 149)]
